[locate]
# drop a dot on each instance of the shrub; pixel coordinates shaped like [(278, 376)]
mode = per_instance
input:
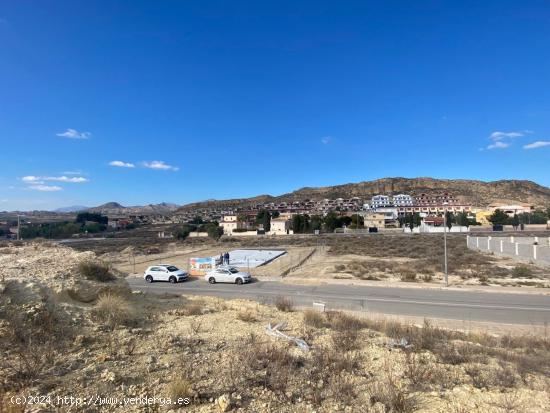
[(427, 278), (246, 316), (314, 318), (346, 340), (95, 270), (407, 275), (214, 231), (284, 304), (522, 271), (418, 369), (344, 322), (342, 389), (179, 387), (394, 396), (181, 233), (193, 308), (113, 310), (270, 366)]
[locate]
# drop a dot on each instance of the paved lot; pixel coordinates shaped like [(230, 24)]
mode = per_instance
[(496, 307)]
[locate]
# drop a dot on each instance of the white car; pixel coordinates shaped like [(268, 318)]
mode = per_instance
[(165, 272), (227, 274)]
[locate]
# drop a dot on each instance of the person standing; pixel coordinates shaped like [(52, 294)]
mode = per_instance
[(227, 258)]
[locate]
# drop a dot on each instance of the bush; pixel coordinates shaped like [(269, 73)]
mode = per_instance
[(179, 387), (314, 318), (246, 316), (214, 231), (394, 396), (193, 309), (113, 310), (284, 304), (95, 270), (344, 322), (181, 233), (407, 275), (346, 340), (522, 271)]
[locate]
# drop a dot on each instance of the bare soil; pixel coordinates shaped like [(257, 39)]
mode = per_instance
[(218, 355)]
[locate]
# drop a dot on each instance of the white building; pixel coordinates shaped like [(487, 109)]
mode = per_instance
[(229, 223), (402, 200), (280, 226), (380, 201)]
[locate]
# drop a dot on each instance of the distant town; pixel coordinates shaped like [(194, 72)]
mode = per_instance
[(382, 213)]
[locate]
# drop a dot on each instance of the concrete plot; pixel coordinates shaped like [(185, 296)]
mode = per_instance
[(253, 258)]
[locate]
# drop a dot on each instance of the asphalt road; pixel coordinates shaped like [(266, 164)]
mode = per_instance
[(530, 309)]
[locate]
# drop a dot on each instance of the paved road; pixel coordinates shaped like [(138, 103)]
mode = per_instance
[(431, 303)]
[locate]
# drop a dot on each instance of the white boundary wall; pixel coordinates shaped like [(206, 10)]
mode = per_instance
[(532, 249)]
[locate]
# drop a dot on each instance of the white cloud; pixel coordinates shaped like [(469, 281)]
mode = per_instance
[(73, 173), (325, 140), (497, 136), (160, 165), (122, 164), (74, 134), (498, 145), (46, 188), (537, 144), (31, 178), (41, 179)]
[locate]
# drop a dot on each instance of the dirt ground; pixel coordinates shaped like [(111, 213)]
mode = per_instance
[(216, 354), (377, 258)]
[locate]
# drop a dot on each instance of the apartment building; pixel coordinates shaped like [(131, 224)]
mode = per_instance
[(402, 200), (380, 201), (374, 219)]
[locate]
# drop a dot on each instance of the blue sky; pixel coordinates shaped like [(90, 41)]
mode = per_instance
[(225, 99)]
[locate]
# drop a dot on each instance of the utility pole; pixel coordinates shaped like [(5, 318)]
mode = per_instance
[(445, 244)]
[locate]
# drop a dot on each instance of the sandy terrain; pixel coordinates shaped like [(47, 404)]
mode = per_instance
[(216, 353)]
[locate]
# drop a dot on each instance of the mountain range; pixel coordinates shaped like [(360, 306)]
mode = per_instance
[(474, 192)]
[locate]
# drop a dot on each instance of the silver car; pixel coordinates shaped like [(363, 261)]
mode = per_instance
[(227, 274)]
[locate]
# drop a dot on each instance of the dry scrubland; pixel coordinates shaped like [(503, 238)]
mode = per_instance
[(72, 328), (389, 258)]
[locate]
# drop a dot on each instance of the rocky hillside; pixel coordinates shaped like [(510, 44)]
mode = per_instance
[(114, 208), (478, 193)]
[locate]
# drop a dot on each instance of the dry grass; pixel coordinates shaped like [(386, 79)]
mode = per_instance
[(193, 308), (424, 251), (247, 316), (284, 304), (96, 270), (113, 310), (314, 319), (179, 387), (32, 342)]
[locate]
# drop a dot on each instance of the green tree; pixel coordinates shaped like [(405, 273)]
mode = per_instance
[(316, 223), (263, 219), (463, 219), (499, 217), (301, 224), (82, 217), (213, 230), (357, 221), (330, 222), (182, 232), (450, 219), (197, 220), (275, 214), (515, 221)]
